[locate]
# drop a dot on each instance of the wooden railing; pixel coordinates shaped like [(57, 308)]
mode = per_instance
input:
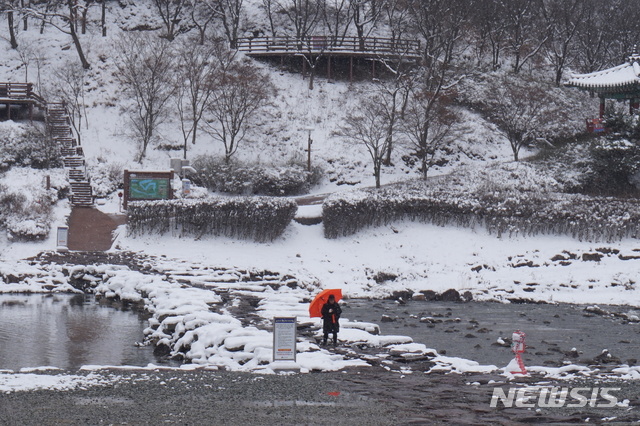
[(370, 46), (20, 92)]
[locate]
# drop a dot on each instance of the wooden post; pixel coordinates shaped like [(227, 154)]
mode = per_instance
[(602, 107), (309, 142), (373, 69), (328, 67), (304, 66)]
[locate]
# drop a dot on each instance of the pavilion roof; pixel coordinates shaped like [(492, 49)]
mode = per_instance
[(620, 79)]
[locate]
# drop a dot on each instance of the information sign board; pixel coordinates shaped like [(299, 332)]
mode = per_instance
[(62, 236), (284, 338), (148, 188)]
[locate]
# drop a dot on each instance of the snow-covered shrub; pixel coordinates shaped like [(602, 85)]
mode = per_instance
[(257, 218), (26, 145), (257, 179), (500, 210), (106, 178), (615, 166), (25, 219)]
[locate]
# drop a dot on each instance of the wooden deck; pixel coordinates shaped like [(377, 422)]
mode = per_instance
[(372, 48), (20, 94)]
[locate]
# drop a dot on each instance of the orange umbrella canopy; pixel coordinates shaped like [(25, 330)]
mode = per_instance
[(316, 305)]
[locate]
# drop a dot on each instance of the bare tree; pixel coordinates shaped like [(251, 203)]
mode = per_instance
[(241, 93), (337, 18), (230, 13), (69, 86), (26, 54), (526, 31), (626, 25), (365, 17), (394, 94), (270, 7), (32, 53), (440, 23), (521, 111), (489, 23), (315, 50), (64, 20), (144, 66), (201, 17), (397, 17), (8, 7), (564, 19), (303, 15), (428, 127), (85, 11), (368, 127), (172, 13), (25, 18), (198, 67)]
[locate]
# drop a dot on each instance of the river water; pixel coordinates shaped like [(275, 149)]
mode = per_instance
[(68, 331), (471, 330)]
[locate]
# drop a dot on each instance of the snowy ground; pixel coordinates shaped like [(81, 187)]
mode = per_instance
[(184, 293), (427, 257), (196, 290)]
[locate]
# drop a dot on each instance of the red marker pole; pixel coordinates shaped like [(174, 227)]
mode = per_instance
[(518, 347)]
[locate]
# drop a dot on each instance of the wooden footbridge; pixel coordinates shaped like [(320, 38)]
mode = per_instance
[(21, 95), (314, 48)]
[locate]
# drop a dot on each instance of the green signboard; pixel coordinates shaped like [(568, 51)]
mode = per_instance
[(149, 188)]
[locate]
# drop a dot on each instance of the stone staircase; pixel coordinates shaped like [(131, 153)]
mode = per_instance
[(60, 130)]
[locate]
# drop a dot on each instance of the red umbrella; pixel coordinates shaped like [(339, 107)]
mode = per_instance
[(316, 305)]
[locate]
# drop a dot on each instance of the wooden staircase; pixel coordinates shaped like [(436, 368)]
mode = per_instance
[(59, 125)]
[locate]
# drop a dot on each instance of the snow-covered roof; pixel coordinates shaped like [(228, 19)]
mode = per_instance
[(622, 76)]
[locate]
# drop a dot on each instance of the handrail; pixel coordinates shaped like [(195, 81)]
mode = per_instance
[(330, 44), (20, 91)]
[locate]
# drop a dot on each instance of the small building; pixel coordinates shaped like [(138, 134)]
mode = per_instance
[(620, 83)]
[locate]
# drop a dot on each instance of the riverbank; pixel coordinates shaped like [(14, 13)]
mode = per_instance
[(369, 396), (222, 317)]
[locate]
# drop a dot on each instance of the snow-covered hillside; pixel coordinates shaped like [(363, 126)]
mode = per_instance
[(281, 138)]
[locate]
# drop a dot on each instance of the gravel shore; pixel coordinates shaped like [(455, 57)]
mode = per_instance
[(365, 396)]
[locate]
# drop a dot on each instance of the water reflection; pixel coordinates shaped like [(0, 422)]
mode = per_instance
[(68, 331)]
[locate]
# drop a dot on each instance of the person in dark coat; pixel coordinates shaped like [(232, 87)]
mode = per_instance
[(330, 315)]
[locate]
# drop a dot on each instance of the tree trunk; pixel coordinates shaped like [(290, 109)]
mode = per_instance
[(74, 36), (104, 18), (425, 168), (516, 150), (12, 34), (360, 30), (84, 19), (312, 74), (25, 22), (85, 64), (193, 134)]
